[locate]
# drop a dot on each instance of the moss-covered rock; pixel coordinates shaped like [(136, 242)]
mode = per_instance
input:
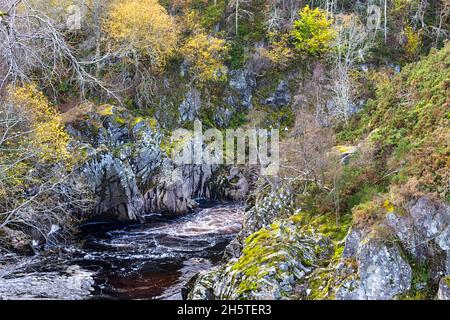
[(274, 264)]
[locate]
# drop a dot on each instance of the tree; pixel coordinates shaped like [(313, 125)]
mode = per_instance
[(281, 14), (305, 152), (205, 56), (239, 8), (143, 35), (48, 137), (279, 52), (349, 46), (38, 187), (312, 32), (34, 48), (412, 43), (143, 29)]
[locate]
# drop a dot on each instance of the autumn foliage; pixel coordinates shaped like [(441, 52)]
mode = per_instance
[(143, 28), (47, 136), (205, 56)]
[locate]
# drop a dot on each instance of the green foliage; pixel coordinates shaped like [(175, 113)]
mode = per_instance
[(212, 15), (237, 54), (313, 32), (238, 119), (409, 120), (282, 118)]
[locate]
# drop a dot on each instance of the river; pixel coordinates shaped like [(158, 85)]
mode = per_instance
[(152, 260)]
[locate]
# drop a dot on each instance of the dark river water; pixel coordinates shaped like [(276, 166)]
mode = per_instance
[(152, 260)]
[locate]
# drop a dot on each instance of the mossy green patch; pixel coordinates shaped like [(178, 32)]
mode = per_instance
[(265, 251), (105, 110)]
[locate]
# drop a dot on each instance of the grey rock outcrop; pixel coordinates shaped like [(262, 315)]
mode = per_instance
[(222, 117), (267, 270), (421, 232), (280, 98), (73, 284), (241, 86), (131, 175), (176, 188), (122, 156), (382, 261), (190, 106), (115, 186), (425, 232), (382, 271), (352, 241)]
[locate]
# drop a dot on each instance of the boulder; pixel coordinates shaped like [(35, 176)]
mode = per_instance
[(351, 289), (383, 271), (73, 284), (352, 242), (424, 229)]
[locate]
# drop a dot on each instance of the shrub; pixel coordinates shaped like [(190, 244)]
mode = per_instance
[(313, 32), (48, 136), (143, 28), (205, 56)]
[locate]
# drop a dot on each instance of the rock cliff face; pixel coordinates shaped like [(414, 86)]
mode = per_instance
[(409, 256), (123, 155), (241, 86), (131, 175), (280, 98), (190, 106), (404, 255)]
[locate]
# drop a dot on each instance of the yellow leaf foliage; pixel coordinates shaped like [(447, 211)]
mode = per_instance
[(205, 56), (142, 26), (48, 136), (279, 52), (412, 42)]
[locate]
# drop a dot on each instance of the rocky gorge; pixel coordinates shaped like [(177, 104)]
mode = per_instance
[(95, 204), (131, 174), (295, 259)]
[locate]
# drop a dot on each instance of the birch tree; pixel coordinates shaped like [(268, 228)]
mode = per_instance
[(39, 187), (350, 46), (33, 49)]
